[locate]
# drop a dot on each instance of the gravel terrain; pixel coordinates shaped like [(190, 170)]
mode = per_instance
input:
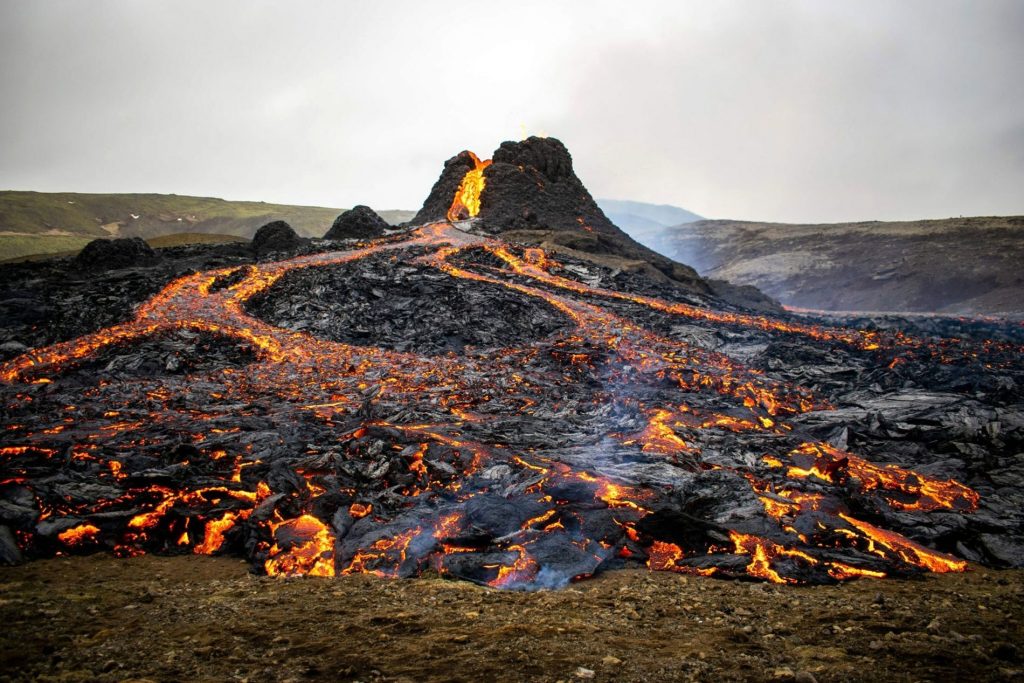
[(98, 618)]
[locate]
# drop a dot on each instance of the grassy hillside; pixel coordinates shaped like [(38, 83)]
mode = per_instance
[(20, 246), (41, 222), (181, 238), (26, 247)]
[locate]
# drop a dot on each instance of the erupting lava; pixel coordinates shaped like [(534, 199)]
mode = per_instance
[(203, 467), (467, 198)]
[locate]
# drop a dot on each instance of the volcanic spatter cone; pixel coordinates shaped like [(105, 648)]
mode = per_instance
[(275, 236), (529, 191), (104, 254), (527, 185), (518, 416), (359, 222)]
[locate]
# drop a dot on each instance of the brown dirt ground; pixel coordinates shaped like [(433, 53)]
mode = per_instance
[(196, 618)]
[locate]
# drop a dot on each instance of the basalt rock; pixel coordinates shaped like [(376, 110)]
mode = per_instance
[(105, 254), (531, 185), (359, 222), (275, 236), (406, 308)]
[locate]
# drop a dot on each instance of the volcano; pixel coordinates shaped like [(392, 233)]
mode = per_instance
[(508, 391), (530, 193)]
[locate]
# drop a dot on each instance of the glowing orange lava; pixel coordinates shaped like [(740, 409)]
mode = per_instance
[(467, 198), (331, 382)]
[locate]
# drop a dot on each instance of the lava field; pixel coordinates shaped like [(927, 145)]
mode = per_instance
[(441, 400)]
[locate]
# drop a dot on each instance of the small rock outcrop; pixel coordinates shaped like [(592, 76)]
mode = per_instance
[(359, 222), (108, 254), (275, 236)]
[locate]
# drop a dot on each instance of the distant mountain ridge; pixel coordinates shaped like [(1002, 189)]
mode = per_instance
[(646, 223), (962, 266), (665, 214)]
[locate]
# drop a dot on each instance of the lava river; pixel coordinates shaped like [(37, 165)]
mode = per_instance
[(521, 466)]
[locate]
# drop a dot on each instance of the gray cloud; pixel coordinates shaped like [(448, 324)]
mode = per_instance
[(794, 110)]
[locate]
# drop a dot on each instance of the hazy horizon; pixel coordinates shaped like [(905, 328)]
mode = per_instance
[(796, 111)]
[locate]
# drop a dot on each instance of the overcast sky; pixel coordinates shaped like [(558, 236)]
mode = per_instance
[(811, 110)]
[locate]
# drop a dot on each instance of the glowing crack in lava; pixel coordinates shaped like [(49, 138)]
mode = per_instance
[(378, 483)]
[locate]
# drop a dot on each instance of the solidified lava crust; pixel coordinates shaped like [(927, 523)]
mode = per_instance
[(380, 302), (443, 400), (624, 429)]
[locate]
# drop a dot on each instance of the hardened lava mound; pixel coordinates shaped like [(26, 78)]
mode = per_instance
[(405, 306), (314, 415)]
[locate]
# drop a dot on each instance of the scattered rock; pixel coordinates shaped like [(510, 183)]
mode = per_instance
[(782, 674), (10, 554)]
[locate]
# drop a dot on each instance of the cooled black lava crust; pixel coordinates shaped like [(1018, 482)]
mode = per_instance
[(403, 306)]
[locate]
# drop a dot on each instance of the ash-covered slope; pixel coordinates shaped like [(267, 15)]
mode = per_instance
[(529, 193)]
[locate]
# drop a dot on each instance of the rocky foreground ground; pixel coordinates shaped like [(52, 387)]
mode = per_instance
[(198, 618)]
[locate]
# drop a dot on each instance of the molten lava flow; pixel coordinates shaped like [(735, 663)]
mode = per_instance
[(306, 547), (762, 552), (466, 203), (916, 491), (415, 444), (521, 570), (78, 535), (215, 530), (359, 510), (659, 437), (662, 556), (383, 557), (906, 550)]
